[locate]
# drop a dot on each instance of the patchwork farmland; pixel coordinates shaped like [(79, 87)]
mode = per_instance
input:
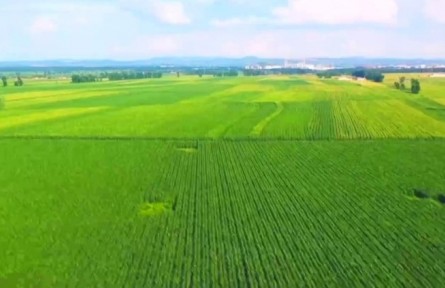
[(204, 182)]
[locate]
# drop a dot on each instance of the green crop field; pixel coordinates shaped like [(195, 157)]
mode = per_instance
[(222, 182)]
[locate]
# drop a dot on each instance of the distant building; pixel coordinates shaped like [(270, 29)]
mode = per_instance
[(289, 64)]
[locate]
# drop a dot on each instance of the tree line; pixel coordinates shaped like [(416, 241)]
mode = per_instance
[(231, 73), (114, 76), (85, 78), (277, 71), (18, 82), (215, 72), (368, 74), (371, 75), (415, 85)]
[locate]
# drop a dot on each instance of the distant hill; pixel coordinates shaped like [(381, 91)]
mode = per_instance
[(161, 61), (220, 62)]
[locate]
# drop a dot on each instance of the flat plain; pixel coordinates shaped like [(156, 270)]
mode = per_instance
[(236, 182)]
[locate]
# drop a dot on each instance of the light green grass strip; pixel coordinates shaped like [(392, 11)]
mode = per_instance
[(258, 129)]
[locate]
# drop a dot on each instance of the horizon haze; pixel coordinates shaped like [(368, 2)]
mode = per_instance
[(136, 29)]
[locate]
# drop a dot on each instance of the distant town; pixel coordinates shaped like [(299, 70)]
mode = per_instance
[(291, 64), (306, 65)]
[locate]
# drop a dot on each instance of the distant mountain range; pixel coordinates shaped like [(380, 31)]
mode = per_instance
[(221, 62)]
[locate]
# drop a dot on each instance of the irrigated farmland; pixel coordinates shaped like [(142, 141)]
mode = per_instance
[(248, 182)]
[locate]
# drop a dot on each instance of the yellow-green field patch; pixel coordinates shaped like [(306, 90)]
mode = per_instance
[(36, 116), (30, 99), (153, 209), (228, 107)]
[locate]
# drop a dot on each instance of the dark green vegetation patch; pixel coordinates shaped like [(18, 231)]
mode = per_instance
[(421, 193), (441, 198)]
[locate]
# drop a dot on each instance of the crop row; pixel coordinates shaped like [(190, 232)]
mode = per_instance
[(237, 214)]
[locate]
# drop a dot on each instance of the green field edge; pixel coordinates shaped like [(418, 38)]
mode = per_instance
[(210, 139)]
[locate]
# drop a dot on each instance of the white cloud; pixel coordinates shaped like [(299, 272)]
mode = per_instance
[(231, 22), (274, 43), (43, 25), (338, 11), (168, 12), (435, 10), (236, 2), (206, 2), (149, 46)]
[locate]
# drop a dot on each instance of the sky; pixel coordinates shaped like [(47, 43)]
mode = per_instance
[(143, 29)]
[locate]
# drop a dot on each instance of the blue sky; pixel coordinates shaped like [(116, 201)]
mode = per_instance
[(138, 29)]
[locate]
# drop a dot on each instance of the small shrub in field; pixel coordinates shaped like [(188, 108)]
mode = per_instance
[(415, 86), (421, 194), (441, 198)]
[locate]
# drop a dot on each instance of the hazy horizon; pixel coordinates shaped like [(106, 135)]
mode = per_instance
[(123, 30), (218, 57)]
